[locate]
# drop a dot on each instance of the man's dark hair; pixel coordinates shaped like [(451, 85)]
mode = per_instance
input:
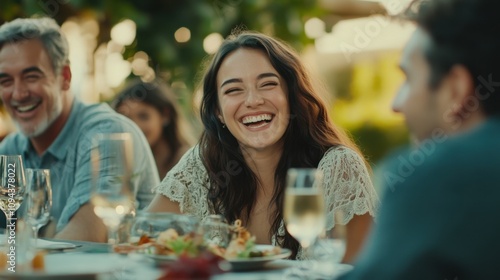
[(463, 32)]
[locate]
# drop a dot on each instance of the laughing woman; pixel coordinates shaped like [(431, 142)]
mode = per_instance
[(262, 116)]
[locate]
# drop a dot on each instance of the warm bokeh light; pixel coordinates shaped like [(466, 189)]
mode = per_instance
[(149, 75), (140, 63), (77, 54), (114, 47), (182, 35), (117, 69), (120, 209), (354, 36), (124, 32), (212, 42), (314, 28)]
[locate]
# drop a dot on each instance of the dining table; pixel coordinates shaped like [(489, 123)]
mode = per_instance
[(82, 260)]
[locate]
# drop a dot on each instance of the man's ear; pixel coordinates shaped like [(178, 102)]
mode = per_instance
[(66, 75), (462, 85)]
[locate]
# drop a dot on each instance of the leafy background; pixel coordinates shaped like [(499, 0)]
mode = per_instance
[(357, 95)]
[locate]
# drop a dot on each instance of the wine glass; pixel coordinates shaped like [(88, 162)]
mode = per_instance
[(113, 194), (12, 187), (304, 211), (39, 198), (329, 249)]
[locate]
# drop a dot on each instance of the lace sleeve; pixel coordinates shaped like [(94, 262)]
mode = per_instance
[(347, 185), (186, 184)]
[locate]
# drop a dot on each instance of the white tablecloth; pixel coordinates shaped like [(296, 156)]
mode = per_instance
[(113, 266)]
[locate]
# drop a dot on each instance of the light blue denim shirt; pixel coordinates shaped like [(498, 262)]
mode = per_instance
[(68, 158)]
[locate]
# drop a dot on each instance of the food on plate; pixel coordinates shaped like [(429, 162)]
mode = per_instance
[(3, 260), (242, 245), (38, 262), (201, 267), (171, 243)]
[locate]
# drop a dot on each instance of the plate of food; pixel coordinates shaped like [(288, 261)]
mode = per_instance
[(240, 250), (257, 258)]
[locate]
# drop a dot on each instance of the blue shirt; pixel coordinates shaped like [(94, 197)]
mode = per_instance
[(439, 215), (68, 158)]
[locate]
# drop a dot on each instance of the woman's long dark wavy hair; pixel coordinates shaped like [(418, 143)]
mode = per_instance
[(309, 135)]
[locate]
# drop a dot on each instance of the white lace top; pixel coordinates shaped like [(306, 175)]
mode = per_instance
[(347, 186)]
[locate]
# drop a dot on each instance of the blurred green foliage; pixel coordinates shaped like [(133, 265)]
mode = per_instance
[(157, 21), (180, 64)]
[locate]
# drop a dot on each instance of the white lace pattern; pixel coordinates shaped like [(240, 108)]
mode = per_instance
[(347, 186)]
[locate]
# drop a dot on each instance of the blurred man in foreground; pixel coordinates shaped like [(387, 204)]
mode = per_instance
[(439, 217), (56, 129)]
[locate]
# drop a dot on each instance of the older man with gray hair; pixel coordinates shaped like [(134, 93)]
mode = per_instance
[(55, 129)]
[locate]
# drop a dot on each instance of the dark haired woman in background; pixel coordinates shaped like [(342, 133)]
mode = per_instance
[(153, 107)]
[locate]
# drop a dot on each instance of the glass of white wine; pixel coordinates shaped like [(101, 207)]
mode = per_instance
[(304, 212), (113, 194), (12, 184), (38, 199)]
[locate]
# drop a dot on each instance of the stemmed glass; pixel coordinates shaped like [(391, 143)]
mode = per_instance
[(112, 191), (39, 198), (304, 211), (12, 184), (329, 249)]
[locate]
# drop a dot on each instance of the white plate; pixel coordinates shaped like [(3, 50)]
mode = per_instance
[(72, 266), (54, 245), (258, 262), (46, 244), (236, 264), (161, 259)]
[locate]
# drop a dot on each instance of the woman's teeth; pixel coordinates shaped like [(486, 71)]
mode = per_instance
[(255, 119)]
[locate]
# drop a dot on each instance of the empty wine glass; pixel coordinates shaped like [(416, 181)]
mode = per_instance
[(38, 199), (12, 187), (304, 211), (112, 192)]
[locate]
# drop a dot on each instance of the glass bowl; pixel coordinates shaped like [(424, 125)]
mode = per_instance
[(151, 225)]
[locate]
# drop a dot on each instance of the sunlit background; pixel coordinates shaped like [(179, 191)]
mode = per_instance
[(352, 46)]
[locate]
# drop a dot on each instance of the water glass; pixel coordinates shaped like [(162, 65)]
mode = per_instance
[(329, 249), (39, 198), (12, 189), (113, 194), (12, 183)]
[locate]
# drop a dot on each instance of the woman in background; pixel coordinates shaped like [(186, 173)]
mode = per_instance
[(153, 107)]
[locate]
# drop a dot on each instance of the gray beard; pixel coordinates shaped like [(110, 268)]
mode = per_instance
[(43, 125)]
